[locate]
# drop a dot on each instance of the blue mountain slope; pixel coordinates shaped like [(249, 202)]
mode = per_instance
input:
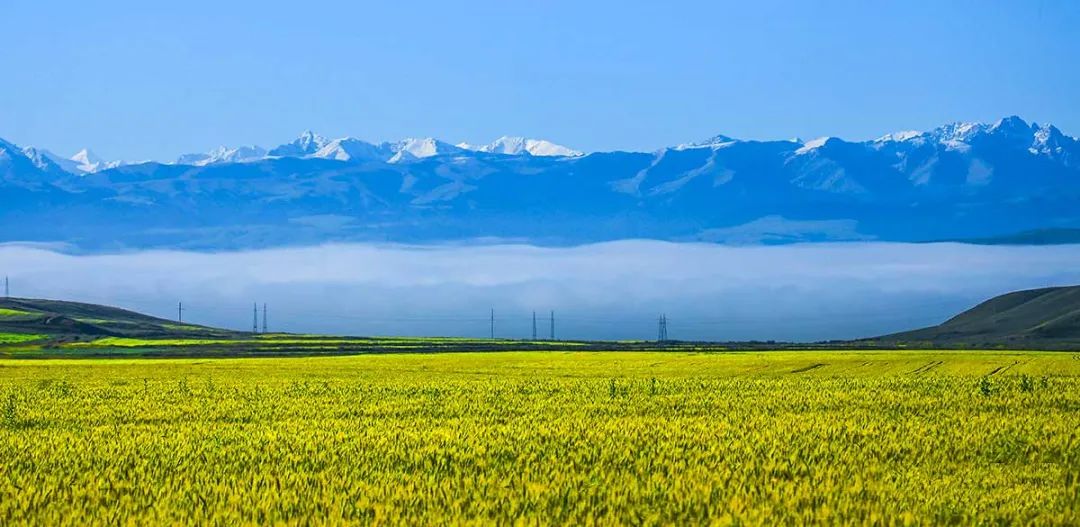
[(959, 181)]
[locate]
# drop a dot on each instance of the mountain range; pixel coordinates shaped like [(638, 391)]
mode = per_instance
[(961, 181)]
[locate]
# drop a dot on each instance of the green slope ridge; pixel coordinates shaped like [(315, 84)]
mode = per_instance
[(1046, 318), (75, 320)]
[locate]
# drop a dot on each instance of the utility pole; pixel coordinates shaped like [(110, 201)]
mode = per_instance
[(534, 325), (553, 325), (255, 317), (180, 312), (264, 317), (492, 323)]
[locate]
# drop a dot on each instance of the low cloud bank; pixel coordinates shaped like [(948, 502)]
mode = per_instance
[(609, 290)]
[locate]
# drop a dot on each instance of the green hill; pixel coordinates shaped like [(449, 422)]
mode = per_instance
[(63, 321), (1037, 318)]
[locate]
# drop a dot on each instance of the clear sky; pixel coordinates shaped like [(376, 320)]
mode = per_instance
[(139, 80)]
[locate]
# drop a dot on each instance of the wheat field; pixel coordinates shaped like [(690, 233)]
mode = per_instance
[(862, 438)]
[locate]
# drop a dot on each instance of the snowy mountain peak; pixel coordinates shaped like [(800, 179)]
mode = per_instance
[(1013, 125), (350, 149), (814, 144), (419, 148), (43, 159), (899, 137), (509, 145), (714, 141), (424, 147), (85, 161), (85, 157), (516, 146), (307, 144), (309, 137), (957, 133), (223, 154)]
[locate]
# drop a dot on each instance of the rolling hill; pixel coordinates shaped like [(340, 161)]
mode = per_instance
[(1038, 318), (74, 321)]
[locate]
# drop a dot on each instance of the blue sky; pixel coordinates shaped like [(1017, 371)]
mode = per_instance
[(139, 80)]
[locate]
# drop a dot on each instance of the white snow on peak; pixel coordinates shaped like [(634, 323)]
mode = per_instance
[(349, 149), (1012, 123), (1048, 140), (41, 158), (82, 163), (87, 162), (716, 141), (85, 157), (509, 145), (223, 154), (310, 138), (413, 148), (957, 133), (423, 147), (516, 146), (905, 135), (544, 148), (307, 144), (812, 145)]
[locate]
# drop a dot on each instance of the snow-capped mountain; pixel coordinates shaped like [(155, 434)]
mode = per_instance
[(412, 149), (83, 162), (87, 162), (351, 149), (516, 146), (957, 181), (307, 144), (712, 142), (223, 154)]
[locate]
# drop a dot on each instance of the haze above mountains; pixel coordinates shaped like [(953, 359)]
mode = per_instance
[(967, 181)]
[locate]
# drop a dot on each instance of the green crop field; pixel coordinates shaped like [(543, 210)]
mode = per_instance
[(17, 338), (9, 313), (785, 438)]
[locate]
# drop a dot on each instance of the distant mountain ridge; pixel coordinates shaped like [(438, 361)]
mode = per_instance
[(961, 181)]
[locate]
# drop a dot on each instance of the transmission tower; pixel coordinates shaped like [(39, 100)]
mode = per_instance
[(553, 325), (180, 312), (255, 318), (661, 334), (264, 318), (7, 287), (534, 325), (492, 323)]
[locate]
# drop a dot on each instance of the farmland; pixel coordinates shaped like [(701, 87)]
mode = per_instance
[(882, 437)]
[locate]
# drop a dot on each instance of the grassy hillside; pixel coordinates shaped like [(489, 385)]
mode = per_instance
[(1038, 318), (60, 322)]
